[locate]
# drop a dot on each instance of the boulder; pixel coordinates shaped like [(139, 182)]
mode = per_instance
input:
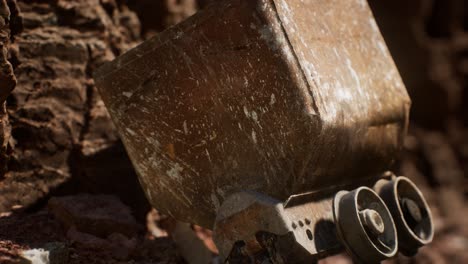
[(99, 215)]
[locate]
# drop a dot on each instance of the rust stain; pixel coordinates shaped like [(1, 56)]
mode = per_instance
[(170, 150)]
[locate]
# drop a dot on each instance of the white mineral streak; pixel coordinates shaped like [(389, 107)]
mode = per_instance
[(131, 132), (148, 192), (208, 155), (272, 99), (246, 111), (254, 116), (246, 82), (127, 94), (254, 137), (185, 127), (174, 171)]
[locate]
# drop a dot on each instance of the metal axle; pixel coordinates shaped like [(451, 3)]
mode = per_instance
[(252, 227)]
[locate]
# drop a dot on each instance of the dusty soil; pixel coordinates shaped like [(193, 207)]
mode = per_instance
[(56, 139)]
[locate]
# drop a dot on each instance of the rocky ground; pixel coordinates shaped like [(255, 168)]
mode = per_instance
[(68, 188)]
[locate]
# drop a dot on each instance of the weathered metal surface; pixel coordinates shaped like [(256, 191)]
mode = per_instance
[(274, 96), (300, 230)]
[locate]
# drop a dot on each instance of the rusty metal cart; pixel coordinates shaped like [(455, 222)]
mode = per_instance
[(274, 123)]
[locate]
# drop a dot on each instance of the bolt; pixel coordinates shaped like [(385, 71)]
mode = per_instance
[(373, 221), (412, 209)]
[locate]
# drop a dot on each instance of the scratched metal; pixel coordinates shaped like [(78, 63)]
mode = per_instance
[(276, 96)]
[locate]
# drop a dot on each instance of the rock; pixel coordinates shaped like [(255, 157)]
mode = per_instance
[(10, 25), (9, 252), (50, 108), (52, 253), (191, 247), (338, 259), (206, 236), (7, 77), (194, 243), (124, 244), (58, 252), (156, 250), (99, 215), (117, 246), (35, 256), (95, 168), (159, 225), (158, 15)]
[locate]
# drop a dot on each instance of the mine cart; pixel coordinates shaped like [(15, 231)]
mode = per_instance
[(274, 123)]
